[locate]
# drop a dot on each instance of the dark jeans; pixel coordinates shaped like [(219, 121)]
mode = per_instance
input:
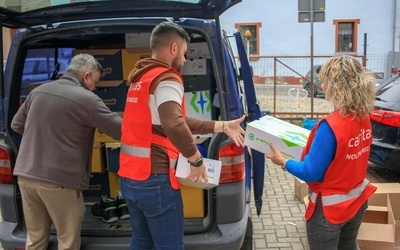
[(324, 235), (156, 212)]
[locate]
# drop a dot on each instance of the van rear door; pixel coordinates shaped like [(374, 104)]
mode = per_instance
[(254, 113)]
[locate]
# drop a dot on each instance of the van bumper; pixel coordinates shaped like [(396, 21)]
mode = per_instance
[(223, 236)]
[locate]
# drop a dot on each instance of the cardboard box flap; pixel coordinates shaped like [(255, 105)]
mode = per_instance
[(95, 52), (377, 208), (376, 232), (109, 84), (113, 145)]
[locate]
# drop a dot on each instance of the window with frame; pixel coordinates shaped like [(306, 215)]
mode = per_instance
[(250, 33), (346, 35)]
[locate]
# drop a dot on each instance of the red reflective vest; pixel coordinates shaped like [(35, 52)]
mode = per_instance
[(137, 136), (344, 188)]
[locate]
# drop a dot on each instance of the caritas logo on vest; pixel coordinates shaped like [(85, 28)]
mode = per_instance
[(355, 141), (134, 87), (364, 135)]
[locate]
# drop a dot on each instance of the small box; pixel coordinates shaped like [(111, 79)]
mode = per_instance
[(100, 136), (98, 163), (130, 57), (198, 50), (193, 202), (196, 67), (110, 60), (195, 83), (300, 189), (290, 139), (112, 156), (113, 179), (113, 94), (377, 230), (98, 185), (213, 168), (137, 40), (394, 201)]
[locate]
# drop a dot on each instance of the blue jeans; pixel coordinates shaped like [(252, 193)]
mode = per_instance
[(156, 212), (324, 235)]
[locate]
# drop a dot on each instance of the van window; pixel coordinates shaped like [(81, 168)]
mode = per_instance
[(42, 65)]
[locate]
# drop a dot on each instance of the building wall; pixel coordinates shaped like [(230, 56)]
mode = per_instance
[(282, 34)]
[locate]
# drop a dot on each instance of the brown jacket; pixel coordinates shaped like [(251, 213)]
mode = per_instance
[(57, 121), (178, 129)]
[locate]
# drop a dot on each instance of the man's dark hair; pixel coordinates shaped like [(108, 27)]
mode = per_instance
[(165, 33)]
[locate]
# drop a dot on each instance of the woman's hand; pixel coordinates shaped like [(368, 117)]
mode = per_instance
[(276, 157)]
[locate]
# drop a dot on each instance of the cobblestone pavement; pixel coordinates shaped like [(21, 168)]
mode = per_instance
[(280, 225)]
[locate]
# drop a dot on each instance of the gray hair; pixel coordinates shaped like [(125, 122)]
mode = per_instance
[(82, 63)]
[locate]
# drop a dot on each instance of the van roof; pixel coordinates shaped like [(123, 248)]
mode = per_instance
[(19, 14)]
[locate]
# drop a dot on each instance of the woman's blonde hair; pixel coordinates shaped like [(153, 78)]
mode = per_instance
[(348, 85)]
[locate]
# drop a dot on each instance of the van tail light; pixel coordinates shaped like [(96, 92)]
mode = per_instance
[(389, 118), (6, 176), (232, 158)]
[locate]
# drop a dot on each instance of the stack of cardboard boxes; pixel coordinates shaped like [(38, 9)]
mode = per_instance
[(199, 83), (112, 89), (198, 78)]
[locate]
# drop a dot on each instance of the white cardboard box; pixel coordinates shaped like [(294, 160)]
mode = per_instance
[(198, 50), (195, 67), (137, 40), (290, 139), (213, 168)]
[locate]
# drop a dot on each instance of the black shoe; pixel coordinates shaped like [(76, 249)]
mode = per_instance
[(106, 210), (123, 212)]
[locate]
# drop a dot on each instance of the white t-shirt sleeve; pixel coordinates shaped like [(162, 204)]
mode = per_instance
[(167, 91)]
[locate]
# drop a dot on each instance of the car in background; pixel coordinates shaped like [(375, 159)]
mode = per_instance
[(385, 120), (317, 82)]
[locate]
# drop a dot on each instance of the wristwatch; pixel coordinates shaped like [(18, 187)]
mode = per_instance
[(197, 163)]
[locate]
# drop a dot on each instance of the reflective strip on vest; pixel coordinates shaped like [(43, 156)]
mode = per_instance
[(334, 199), (142, 152), (135, 151)]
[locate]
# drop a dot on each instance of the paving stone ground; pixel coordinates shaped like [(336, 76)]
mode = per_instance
[(280, 225)]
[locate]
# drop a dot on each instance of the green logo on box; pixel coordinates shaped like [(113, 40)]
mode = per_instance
[(293, 139), (252, 137)]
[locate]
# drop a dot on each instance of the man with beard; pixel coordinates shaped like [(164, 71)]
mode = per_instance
[(155, 130)]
